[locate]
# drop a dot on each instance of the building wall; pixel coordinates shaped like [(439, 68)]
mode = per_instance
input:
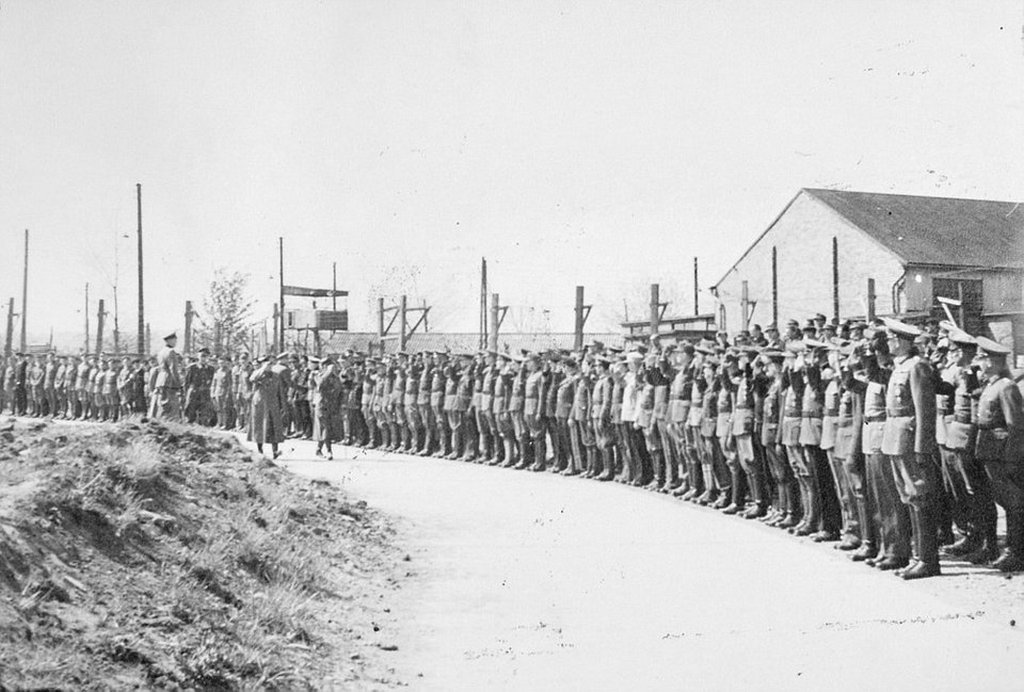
[(1001, 290), (803, 236)]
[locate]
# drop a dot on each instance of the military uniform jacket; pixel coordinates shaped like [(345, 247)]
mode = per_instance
[(412, 389), (645, 399), (812, 407), (709, 409), (198, 379), (743, 415), (168, 363), (502, 392), (464, 391), (517, 397), (581, 400), (830, 419), (1001, 422), (222, 385), (910, 408), (425, 383), (551, 382), (771, 417), (534, 394), (679, 396), (956, 422), (565, 395), (850, 421), (661, 381), (601, 402), (487, 389), (792, 401)]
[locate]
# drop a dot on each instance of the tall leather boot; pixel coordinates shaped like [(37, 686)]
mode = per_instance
[(868, 543), (760, 507), (509, 457), (736, 504), (657, 469), (672, 472), (607, 463), (927, 544), (525, 452), (456, 440), (540, 454), (592, 469), (1012, 559), (915, 540), (709, 495)]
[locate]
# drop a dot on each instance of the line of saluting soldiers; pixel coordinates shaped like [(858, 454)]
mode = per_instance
[(881, 437)]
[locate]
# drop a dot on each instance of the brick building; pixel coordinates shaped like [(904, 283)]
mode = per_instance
[(913, 248)]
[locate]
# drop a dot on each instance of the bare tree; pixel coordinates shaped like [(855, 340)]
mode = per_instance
[(228, 311)]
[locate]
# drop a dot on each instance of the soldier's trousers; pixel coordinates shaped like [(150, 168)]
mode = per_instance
[(974, 507), (843, 493), (578, 442), (429, 424), (652, 440), (669, 451), (565, 456), (787, 492), (522, 435), (893, 519), (485, 427), (752, 467), (168, 404), (824, 485), (441, 427), (862, 498), (729, 469)]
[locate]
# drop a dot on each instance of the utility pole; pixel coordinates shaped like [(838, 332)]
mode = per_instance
[(871, 301), (835, 279), (400, 314), (142, 301), (99, 327), (498, 313), (9, 343), (696, 296), (149, 340), (403, 323), (483, 302), (582, 313), (775, 285), (24, 300), (87, 319), (745, 306), (278, 338), (188, 327), (280, 259), (657, 308), (334, 285)]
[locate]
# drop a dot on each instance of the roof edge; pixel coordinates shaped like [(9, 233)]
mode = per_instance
[(758, 238)]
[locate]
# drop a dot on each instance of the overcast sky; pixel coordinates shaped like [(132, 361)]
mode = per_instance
[(602, 144)]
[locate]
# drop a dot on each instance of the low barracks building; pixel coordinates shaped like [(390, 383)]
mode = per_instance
[(914, 248)]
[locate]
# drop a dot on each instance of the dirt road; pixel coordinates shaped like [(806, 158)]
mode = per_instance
[(536, 582)]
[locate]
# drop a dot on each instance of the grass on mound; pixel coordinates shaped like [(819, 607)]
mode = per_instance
[(156, 555)]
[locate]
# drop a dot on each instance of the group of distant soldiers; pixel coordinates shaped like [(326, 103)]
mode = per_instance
[(882, 437)]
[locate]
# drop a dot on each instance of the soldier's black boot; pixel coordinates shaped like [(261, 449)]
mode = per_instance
[(927, 544), (540, 453), (915, 536), (868, 547), (525, 453), (1012, 559), (658, 469), (453, 452), (605, 455), (736, 505)]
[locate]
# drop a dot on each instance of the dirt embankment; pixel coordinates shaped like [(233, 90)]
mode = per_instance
[(158, 556)]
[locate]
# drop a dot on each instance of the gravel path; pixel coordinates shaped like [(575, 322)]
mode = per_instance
[(536, 582)]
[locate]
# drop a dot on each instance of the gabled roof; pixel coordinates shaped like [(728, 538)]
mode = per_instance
[(935, 230)]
